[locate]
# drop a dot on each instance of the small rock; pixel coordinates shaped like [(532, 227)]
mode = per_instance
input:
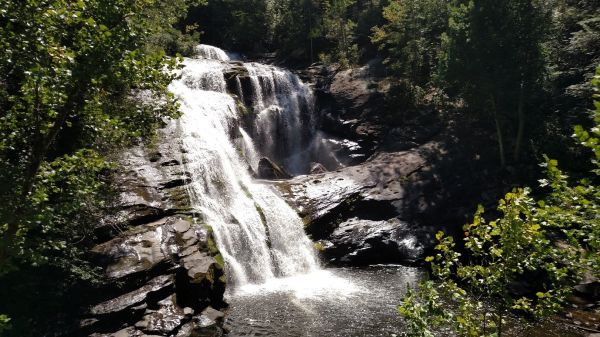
[(181, 226), (317, 168), (213, 314), (269, 170), (154, 157)]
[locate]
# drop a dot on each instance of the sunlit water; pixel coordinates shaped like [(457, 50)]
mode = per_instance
[(340, 302), (259, 236)]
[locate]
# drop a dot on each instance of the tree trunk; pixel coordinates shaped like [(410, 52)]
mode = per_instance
[(310, 32), (498, 132), (521, 119), (500, 316)]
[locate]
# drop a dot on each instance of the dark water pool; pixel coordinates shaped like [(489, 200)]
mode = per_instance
[(340, 302), (343, 302)]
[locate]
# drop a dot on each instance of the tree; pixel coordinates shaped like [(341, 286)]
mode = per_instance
[(297, 28), (410, 39), (239, 25), (78, 79), (573, 50), (339, 29), (528, 260), (493, 57)]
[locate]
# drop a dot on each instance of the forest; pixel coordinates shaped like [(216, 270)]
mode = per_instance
[(513, 87)]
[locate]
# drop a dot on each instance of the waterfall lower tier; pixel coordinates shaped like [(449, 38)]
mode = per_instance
[(258, 234)]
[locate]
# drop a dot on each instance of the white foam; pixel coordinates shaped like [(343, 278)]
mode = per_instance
[(314, 285)]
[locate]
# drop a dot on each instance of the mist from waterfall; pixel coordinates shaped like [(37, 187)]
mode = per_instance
[(260, 237)]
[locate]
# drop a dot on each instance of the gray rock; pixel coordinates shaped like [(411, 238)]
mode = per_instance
[(369, 213), (207, 324), (152, 251), (355, 88), (198, 265), (163, 321), (133, 298), (269, 170), (317, 168), (590, 290), (358, 242), (213, 314), (145, 247)]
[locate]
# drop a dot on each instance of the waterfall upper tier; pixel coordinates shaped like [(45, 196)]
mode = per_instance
[(277, 110)]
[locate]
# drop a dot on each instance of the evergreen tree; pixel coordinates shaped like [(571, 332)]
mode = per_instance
[(494, 58), (410, 40), (339, 29)]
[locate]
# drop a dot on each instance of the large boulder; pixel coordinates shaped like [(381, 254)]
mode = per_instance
[(365, 213), (362, 242), (356, 90)]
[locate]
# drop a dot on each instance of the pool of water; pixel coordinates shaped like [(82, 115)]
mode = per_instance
[(340, 302), (344, 302)]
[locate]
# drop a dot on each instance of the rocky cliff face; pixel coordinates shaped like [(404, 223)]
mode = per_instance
[(402, 181), (164, 274)]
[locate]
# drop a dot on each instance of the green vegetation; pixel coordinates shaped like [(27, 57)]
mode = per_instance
[(80, 79), (339, 30), (77, 80), (411, 38), (527, 261)]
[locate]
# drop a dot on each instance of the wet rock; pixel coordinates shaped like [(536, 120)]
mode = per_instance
[(361, 242), (146, 180), (269, 170), (171, 241), (317, 168), (207, 324), (335, 153), (163, 321), (198, 265), (189, 278), (389, 201), (134, 298), (385, 178)]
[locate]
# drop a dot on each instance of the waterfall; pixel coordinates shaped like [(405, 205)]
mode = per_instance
[(258, 234), (285, 117)]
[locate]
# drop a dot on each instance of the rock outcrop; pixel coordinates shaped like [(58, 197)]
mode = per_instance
[(164, 274), (366, 213), (399, 183)]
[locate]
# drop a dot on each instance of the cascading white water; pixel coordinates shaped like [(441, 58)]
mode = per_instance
[(285, 116), (258, 234), (211, 53)]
